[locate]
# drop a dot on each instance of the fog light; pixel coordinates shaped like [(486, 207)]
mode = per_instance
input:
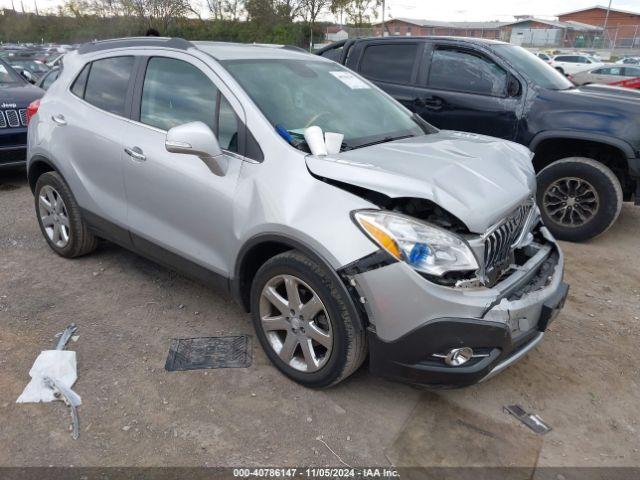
[(458, 356)]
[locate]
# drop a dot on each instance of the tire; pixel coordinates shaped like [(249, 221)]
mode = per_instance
[(78, 240), (348, 347), (593, 213)]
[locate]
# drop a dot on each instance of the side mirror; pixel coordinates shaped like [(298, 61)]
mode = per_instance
[(513, 87), (27, 76), (196, 138)]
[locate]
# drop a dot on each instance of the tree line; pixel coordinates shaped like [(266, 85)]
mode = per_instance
[(292, 22)]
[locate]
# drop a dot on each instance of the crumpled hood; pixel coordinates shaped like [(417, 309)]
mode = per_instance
[(478, 179)]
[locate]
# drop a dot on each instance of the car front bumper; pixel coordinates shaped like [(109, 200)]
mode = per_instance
[(413, 323), (13, 147)]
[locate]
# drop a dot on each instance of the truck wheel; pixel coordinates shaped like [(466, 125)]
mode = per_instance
[(579, 198), (303, 323), (59, 218)]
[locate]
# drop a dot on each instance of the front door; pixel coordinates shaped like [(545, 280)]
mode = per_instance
[(466, 90), (178, 207)]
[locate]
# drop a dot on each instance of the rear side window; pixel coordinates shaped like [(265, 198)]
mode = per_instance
[(464, 71), (108, 83), (334, 54), (632, 71), (389, 63), (81, 81)]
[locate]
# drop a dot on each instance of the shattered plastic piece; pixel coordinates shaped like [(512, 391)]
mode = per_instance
[(68, 396), (65, 335), (533, 421)]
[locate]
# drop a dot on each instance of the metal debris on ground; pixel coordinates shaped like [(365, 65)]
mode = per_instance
[(531, 420), (68, 396), (52, 375), (209, 352)]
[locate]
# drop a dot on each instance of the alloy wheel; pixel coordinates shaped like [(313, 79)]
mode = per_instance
[(53, 215), (571, 202), (296, 323)]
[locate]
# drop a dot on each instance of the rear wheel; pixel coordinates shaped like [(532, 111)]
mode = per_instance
[(579, 198), (59, 218), (302, 320)]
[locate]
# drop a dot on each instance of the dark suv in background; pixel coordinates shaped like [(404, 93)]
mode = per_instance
[(586, 140), (15, 96)]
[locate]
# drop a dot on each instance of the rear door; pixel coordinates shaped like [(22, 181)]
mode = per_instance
[(390, 64), (89, 123), (464, 89)]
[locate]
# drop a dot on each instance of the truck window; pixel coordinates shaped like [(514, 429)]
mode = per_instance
[(463, 71), (389, 62)]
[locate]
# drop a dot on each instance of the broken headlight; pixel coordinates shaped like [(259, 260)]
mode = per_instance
[(428, 249)]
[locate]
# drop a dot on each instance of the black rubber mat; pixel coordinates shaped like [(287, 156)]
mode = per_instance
[(209, 352)]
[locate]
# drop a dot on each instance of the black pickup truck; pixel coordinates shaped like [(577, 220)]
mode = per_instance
[(586, 140)]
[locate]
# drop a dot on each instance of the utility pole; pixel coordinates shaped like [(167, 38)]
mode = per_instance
[(606, 20), (35, 2), (383, 25)]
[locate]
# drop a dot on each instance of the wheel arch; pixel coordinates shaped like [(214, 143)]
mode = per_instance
[(614, 153), (37, 166), (260, 248)]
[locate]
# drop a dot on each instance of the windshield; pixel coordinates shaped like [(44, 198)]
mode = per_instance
[(296, 94), (533, 68), (31, 65), (8, 75)]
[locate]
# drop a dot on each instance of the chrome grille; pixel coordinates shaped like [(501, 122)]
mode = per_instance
[(3, 122), (499, 242), (12, 118), (23, 116)]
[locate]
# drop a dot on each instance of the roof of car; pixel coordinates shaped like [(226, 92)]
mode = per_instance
[(474, 40), (218, 50)]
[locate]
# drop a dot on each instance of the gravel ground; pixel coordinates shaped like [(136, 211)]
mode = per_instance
[(583, 379)]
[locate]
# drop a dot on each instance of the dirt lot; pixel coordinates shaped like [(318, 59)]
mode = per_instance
[(583, 379)]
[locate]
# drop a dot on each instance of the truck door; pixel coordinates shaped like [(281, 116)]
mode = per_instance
[(464, 89)]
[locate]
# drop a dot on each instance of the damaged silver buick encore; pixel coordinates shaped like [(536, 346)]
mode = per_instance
[(422, 249)]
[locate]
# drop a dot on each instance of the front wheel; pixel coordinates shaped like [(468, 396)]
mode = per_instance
[(302, 320), (579, 198)]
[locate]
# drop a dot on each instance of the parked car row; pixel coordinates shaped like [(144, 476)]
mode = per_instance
[(586, 152), (421, 249), (21, 67)]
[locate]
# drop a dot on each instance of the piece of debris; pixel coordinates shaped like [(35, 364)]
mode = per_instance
[(52, 375), (209, 352), (533, 421), (68, 396)]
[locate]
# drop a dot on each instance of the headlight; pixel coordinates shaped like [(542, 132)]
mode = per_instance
[(426, 248)]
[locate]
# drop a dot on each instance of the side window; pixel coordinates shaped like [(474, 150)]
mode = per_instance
[(466, 72), (108, 82), (389, 63), (632, 71), (50, 78), (176, 92), (81, 81)]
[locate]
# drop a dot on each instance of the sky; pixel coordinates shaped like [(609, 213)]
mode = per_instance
[(452, 10)]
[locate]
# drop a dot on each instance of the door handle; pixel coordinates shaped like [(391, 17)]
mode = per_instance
[(432, 103), (135, 153), (59, 119)]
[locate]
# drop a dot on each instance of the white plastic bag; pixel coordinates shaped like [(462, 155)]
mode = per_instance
[(57, 364)]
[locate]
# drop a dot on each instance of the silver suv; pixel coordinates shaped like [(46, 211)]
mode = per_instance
[(420, 248)]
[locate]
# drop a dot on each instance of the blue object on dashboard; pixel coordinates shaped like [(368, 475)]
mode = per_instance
[(284, 133)]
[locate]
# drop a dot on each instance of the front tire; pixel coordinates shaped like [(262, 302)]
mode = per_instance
[(579, 198), (59, 218), (303, 322)]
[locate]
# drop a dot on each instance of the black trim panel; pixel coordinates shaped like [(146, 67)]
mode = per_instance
[(150, 250)]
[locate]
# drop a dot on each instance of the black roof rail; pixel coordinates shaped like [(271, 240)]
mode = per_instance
[(167, 42)]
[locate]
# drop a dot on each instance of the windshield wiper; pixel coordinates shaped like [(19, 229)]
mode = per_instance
[(377, 142)]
